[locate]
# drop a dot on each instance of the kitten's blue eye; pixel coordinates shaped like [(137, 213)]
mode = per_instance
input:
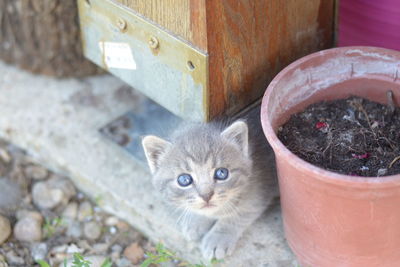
[(185, 180), (221, 174)]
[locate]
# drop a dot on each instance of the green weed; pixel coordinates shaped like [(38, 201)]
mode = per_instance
[(50, 226), (161, 255), (78, 261), (164, 255), (107, 263), (42, 263)]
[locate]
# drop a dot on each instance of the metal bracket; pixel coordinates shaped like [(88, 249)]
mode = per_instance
[(163, 67)]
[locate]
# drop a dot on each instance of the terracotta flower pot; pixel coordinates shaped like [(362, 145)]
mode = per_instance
[(334, 220)]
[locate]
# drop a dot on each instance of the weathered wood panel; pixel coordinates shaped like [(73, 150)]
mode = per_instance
[(185, 18), (43, 36), (198, 23), (250, 41)]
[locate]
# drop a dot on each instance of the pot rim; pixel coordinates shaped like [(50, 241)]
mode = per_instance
[(318, 172)]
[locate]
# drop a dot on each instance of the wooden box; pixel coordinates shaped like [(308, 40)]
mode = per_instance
[(203, 58)]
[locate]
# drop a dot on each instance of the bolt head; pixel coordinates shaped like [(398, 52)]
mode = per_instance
[(153, 42), (121, 24)]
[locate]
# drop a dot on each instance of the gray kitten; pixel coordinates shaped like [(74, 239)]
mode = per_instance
[(216, 179)]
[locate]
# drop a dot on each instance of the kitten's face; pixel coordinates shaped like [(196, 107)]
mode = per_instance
[(204, 170)]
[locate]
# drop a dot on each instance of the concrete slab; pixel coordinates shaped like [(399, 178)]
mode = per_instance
[(58, 120)]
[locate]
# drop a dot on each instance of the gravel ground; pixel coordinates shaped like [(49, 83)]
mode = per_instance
[(44, 217)]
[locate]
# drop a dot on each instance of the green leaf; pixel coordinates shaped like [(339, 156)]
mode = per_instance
[(150, 255), (161, 260), (147, 262), (42, 263), (215, 261), (79, 261), (107, 263), (159, 247)]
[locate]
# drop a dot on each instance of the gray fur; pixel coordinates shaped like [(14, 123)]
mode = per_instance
[(198, 149)]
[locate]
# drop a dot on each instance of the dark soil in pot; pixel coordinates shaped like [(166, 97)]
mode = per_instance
[(351, 136)]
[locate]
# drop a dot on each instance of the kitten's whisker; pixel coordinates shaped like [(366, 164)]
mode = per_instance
[(176, 211), (181, 217), (232, 209), (228, 210), (186, 217)]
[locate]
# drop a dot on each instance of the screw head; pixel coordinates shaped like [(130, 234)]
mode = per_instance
[(153, 42), (121, 24), (190, 65)]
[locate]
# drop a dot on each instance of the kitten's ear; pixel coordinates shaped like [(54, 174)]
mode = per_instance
[(237, 133), (154, 147)]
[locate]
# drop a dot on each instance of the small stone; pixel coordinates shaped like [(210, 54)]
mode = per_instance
[(97, 209), (92, 230), (63, 184), (28, 213), (5, 227), (84, 244), (117, 248), (4, 155), (59, 249), (14, 259), (73, 248), (46, 197), (73, 228), (57, 257), (382, 172), (70, 211), (27, 200), (57, 254), (28, 229), (100, 248), (39, 251), (96, 261), (85, 211), (113, 230), (123, 262), (123, 226), (111, 221), (108, 238), (10, 196), (134, 252), (36, 172), (51, 193), (115, 256)]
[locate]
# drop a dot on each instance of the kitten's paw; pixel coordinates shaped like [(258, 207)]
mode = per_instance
[(192, 233), (218, 244), (195, 230)]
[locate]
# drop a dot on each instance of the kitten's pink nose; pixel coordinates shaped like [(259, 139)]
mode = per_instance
[(207, 196)]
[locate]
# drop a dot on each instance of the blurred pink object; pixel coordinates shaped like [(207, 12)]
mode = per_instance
[(369, 22)]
